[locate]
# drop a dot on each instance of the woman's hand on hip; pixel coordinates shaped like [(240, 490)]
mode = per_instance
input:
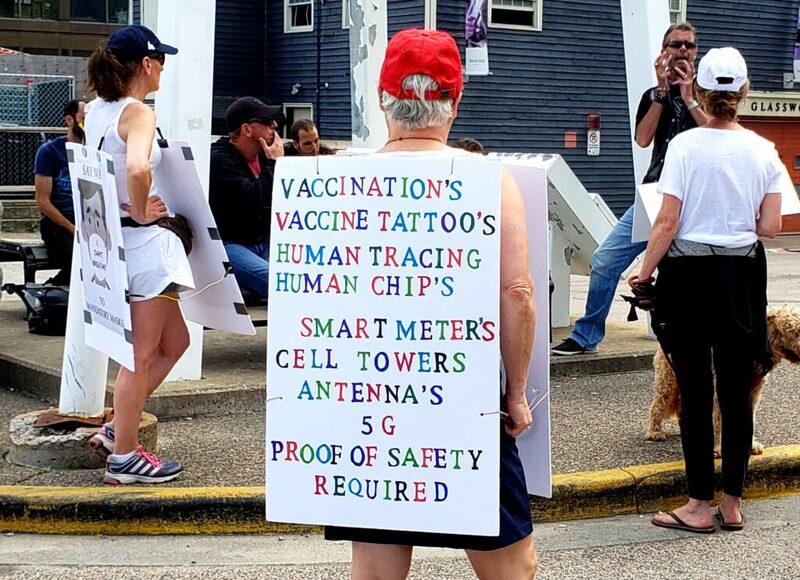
[(154, 209)]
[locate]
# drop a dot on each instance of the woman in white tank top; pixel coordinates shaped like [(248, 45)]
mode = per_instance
[(118, 122)]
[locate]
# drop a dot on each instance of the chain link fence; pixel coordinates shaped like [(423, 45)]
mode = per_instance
[(18, 146), (34, 100), (31, 113)]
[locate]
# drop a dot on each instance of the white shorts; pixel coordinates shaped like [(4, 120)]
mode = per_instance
[(156, 264)]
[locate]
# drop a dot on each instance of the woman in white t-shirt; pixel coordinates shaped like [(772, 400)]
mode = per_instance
[(118, 122), (722, 189)]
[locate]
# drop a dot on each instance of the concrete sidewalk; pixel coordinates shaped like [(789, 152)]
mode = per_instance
[(216, 425)]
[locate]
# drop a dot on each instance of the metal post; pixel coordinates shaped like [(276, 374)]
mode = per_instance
[(560, 266), (643, 26), (183, 108), (368, 37), (83, 369)]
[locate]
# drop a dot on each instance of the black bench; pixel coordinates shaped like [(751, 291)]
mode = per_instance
[(256, 315), (254, 303), (32, 254)]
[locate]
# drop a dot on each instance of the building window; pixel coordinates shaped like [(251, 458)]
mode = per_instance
[(519, 14), (295, 112), (111, 11), (298, 15), (677, 11), (29, 9)]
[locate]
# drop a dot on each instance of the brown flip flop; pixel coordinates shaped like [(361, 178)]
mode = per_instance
[(728, 526), (681, 525)]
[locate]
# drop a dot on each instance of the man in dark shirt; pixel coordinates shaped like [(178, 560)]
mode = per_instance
[(240, 187), (305, 140), (54, 193), (664, 111)]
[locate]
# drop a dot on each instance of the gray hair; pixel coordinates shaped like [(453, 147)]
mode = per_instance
[(412, 114), (685, 26)]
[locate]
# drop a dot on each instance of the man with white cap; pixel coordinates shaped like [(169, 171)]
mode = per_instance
[(420, 89)]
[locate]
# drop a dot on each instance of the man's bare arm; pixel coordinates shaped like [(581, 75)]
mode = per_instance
[(43, 185), (517, 307), (646, 129)]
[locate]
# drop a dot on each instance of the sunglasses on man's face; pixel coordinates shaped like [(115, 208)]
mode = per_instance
[(159, 56), (689, 44), (263, 121)]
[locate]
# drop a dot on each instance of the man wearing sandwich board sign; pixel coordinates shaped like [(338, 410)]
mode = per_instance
[(397, 281)]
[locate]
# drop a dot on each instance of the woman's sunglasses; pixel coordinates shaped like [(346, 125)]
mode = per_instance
[(159, 56)]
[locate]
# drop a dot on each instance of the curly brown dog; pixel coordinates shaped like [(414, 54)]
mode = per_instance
[(783, 329)]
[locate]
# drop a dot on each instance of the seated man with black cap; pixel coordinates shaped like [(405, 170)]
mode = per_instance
[(240, 187)]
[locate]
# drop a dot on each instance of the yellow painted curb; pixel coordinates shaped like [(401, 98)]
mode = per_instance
[(588, 494), (225, 510)]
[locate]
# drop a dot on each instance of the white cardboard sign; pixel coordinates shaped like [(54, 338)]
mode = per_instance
[(534, 443), (215, 301), (646, 206), (104, 275), (383, 353)]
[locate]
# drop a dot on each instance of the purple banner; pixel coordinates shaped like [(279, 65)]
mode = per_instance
[(477, 51), (476, 32)]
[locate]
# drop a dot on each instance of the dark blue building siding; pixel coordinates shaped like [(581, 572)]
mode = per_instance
[(405, 14), (545, 83), (512, 110), (764, 32), (542, 83), (239, 54), (292, 58)]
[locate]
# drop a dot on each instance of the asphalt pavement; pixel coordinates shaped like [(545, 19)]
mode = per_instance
[(617, 548)]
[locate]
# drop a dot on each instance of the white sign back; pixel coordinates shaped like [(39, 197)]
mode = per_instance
[(383, 354)]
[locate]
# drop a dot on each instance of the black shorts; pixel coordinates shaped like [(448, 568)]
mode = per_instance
[(515, 515)]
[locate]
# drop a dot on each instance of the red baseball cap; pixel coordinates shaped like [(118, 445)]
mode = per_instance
[(430, 52)]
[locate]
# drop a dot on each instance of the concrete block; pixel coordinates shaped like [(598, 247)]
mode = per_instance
[(14, 212), (29, 226), (63, 449)]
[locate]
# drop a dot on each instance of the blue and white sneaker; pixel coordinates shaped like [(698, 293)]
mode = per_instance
[(102, 442), (142, 467)]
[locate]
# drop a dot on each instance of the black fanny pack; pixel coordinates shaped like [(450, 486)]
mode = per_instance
[(178, 225)]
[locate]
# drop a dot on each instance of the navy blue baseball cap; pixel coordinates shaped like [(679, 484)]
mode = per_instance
[(132, 43)]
